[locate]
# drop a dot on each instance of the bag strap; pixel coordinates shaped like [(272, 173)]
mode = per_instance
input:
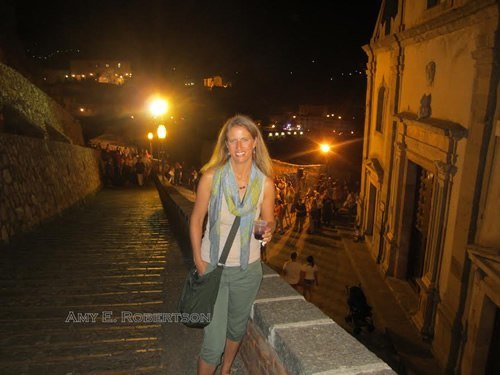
[(230, 239)]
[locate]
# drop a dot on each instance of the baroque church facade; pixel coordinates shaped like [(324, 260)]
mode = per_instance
[(430, 190)]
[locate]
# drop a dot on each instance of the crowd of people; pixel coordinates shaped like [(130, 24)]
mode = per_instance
[(297, 202), (122, 166), (300, 207)]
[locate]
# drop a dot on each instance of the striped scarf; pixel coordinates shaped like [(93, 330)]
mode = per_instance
[(224, 186)]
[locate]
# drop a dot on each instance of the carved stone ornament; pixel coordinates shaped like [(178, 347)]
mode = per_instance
[(425, 107), (430, 72)]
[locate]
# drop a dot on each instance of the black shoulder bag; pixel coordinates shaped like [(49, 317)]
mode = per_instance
[(200, 292)]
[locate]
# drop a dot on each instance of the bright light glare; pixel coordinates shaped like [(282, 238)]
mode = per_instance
[(325, 147), (158, 107), (162, 131), (150, 136)]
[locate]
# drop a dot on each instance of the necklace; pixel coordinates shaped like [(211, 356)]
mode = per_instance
[(242, 187)]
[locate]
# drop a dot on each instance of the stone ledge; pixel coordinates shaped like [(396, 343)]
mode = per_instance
[(286, 334), (304, 339)]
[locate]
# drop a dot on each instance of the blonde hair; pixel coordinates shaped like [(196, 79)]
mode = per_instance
[(220, 154)]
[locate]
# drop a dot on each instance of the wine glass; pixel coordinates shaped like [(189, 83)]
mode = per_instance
[(259, 228)]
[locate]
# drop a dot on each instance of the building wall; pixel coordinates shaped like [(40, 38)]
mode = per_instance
[(488, 234), (434, 159)]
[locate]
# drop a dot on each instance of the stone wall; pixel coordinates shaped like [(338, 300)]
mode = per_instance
[(286, 334), (40, 179), (26, 109)]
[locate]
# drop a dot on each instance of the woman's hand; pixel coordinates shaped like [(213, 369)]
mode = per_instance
[(201, 267), (268, 235)]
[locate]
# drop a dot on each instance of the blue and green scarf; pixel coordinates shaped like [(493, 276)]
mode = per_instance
[(224, 186)]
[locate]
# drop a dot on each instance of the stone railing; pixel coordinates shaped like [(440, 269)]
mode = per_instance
[(41, 178), (286, 334)]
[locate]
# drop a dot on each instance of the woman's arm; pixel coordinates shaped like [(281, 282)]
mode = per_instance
[(267, 208), (200, 210)]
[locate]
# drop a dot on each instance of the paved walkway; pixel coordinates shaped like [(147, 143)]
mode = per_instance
[(115, 254)]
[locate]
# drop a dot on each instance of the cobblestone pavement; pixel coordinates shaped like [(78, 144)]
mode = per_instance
[(114, 254), (343, 262)]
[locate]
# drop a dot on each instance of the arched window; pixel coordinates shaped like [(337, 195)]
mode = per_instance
[(380, 108)]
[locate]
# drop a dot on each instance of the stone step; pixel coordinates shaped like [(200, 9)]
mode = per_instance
[(79, 289), (62, 311), (77, 298), (47, 280), (44, 326), (111, 362)]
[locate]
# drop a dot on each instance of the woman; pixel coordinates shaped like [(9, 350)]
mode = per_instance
[(309, 277), (237, 181)]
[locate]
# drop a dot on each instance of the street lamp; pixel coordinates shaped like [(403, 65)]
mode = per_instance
[(325, 149), (158, 107), (150, 137), (162, 134)]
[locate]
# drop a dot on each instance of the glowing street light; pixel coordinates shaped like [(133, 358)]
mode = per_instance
[(325, 148), (161, 131), (158, 107)]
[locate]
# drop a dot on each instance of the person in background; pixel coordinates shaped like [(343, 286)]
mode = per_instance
[(309, 277), (140, 169), (300, 215), (237, 181), (279, 215), (291, 271)]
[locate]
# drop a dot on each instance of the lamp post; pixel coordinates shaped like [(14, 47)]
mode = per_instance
[(162, 134), (150, 137), (325, 149), (158, 107)]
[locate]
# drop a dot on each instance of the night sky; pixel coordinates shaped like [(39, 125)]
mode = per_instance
[(295, 50)]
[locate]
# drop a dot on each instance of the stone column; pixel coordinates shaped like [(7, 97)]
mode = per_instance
[(428, 297), (394, 211), (370, 70)]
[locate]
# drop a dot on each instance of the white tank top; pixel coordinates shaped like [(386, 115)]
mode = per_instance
[(226, 222)]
